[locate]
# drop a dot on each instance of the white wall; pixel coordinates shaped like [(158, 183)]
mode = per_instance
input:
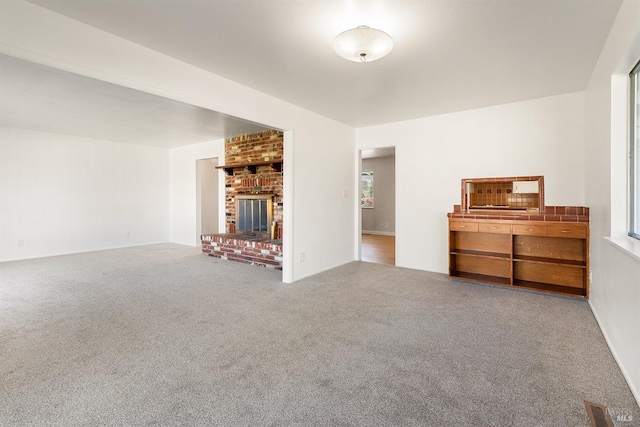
[(319, 152), (538, 137), (62, 194), (208, 196), (183, 190), (615, 258), (324, 203), (382, 218)]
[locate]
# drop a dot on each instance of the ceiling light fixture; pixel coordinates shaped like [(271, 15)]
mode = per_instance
[(362, 44)]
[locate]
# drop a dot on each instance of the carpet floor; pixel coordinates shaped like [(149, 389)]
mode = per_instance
[(163, 335)]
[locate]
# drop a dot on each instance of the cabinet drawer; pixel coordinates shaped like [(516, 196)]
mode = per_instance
[(530, 229), (463, 226), (494, 228), (569, 230)]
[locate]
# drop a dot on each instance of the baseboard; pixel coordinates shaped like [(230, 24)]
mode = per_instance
[(379, 233), (634, 391), (86, 251)]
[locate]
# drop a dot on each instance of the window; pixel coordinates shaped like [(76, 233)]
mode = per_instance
[(634, 146), (366, 197)]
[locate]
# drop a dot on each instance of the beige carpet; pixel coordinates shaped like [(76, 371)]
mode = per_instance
[(162, 335)]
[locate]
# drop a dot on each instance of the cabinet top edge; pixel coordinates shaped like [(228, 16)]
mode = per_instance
[(564, 221)]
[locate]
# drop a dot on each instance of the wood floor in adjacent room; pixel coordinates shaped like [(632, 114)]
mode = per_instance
[(378, 249)]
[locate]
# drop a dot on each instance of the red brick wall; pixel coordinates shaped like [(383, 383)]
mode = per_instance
[(259, 147)]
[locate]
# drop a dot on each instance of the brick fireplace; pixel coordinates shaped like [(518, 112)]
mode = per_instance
[(253, 201)]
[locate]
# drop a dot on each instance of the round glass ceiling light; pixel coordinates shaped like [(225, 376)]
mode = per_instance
[(362, 44)]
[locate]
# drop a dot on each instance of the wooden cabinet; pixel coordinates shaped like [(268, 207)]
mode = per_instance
[(545, 256)]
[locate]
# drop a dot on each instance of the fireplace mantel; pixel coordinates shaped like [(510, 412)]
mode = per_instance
[(252, 167)]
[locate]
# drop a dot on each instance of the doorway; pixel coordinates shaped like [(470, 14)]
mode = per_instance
[(378, 207)]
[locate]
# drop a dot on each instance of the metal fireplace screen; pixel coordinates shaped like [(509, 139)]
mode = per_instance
[(254, 214)]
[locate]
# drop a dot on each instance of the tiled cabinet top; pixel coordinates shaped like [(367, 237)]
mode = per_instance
[(552, 213)]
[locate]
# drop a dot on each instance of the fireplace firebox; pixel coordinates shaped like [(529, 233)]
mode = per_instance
[(254, 214)]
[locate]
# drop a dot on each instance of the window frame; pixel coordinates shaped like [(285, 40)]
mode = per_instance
[(634, 153), (363, 174)]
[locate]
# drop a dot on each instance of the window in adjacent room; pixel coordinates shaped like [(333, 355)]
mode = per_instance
[(634, 144), (367, 189)]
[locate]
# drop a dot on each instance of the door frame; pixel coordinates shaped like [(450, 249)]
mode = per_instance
[(358, 191)]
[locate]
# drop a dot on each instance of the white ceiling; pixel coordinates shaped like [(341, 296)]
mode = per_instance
[(47, 99), (449, 55)]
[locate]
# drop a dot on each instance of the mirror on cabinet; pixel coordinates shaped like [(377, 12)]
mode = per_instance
[(512, 194)]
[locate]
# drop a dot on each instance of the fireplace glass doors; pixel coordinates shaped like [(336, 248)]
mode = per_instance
[(254, 214)]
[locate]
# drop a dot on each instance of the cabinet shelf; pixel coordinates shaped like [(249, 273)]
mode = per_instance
[(495, 280), (482, 254), (554, 261), (556, 289)]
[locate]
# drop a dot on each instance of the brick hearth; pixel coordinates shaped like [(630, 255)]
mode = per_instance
[(252, 250)]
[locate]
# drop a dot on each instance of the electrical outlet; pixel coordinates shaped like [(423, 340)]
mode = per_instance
[(127, 233), (386, 225), (345, 193), (302, 256), (21, 242)]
